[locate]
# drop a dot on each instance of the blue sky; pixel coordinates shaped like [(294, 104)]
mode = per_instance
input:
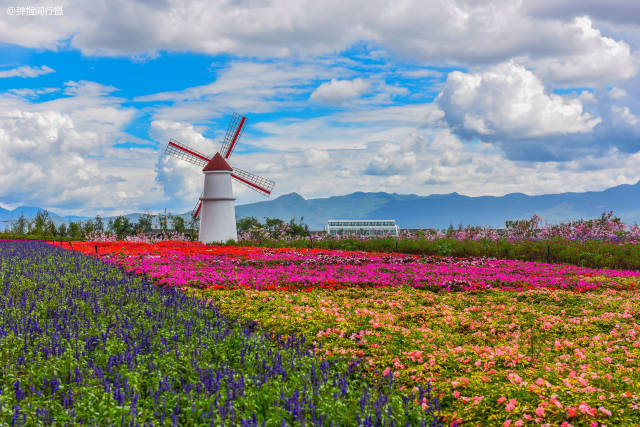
[(417, 97)]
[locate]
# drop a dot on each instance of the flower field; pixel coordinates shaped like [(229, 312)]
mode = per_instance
[(503, 342), (84, 343)]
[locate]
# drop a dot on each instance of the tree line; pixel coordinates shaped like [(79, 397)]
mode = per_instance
[(43, 226)]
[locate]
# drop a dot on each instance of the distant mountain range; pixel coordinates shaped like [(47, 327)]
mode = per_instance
[(412, 211), (442, 210)]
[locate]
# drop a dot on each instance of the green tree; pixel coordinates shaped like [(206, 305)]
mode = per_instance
[(20, 225), (194, 227), (274, 226), (98, 223), (62, 230), (87, 227), (50, 229), (39, 223), (178, 223), (245, 224), (121, 227), (144, 223), (297, 228), (74, 231)]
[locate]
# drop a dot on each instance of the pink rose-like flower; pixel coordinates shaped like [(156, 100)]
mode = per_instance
[(518, 423), (386, 371), (514, 378), (604, 411), (501, 399), (507, 423), (511, 405), (540, 411), (584, 408)]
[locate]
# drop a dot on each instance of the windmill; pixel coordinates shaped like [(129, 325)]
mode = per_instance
[(215, 206)]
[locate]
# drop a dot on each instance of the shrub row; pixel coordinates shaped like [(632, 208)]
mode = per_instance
[(588, 253)]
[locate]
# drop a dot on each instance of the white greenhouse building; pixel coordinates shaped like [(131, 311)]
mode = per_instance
[(362, 227)]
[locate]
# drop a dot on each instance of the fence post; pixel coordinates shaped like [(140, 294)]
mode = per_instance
[(548, 254)]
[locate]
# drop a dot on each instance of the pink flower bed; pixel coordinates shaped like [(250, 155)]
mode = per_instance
[(202, 266)]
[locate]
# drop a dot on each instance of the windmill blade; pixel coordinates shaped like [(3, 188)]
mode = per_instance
[(234, 132), (183, 152), (195, 212), (260, 184)]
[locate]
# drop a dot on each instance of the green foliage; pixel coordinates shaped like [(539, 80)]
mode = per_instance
[(274, 228), (121, 226), (42, 227), (298, 228), (589, 253), (39, 224), (144, 223), (178, 223), (245, 224), (20, 226), (98, 223), (75, 230)]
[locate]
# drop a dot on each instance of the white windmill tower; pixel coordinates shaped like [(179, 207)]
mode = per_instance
[(215, 207)]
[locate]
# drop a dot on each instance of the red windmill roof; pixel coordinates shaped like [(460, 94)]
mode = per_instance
[(217, 164)]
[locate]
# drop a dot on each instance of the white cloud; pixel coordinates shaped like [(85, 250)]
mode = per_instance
[(432, 32), (616, 93), (180, 180), (386, 149), (508, 102), (60, 155), (625, 114), (391, 159), (436, 161), (247, 86), (26, 71), (338, 91), (33, 93), (309, 157), (87, 89), (616, 11), (598, 61), (421, 74)]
